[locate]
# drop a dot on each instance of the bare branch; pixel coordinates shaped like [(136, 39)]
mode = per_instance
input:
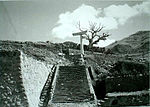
[(102, 37), (92, 36), (86, 36), (79, 26), (92, 26), (100, 28)]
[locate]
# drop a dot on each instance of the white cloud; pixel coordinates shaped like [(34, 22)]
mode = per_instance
[(120, 12), (108, 22), (113, 16), (123, 12), (105, 43), (67, 22), (143, 8)]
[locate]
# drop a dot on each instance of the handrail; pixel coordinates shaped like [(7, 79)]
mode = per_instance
[(53, 84), (91, 86), (45, 93)]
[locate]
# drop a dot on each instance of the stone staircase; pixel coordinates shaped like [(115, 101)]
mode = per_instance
[(72, 85)]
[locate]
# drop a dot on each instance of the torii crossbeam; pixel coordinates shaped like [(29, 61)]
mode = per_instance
[(81, 43)]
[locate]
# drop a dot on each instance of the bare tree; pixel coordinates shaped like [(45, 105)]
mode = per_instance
[(93, 35)]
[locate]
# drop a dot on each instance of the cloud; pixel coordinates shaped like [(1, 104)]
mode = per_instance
[(105, 43), (143, 8), (67, 22), (120, 12), (113, 16)]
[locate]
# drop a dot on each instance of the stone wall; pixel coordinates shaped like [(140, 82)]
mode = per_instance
[(34, 75), (12, 92), (22, 79), (127, 84), (136, 98)]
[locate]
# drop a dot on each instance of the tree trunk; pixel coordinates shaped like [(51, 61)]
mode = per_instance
[(91, 45)]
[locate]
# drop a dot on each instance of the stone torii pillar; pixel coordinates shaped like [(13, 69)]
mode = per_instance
[(81, 42)]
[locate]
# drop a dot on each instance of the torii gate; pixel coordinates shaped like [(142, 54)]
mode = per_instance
[(81, 43)]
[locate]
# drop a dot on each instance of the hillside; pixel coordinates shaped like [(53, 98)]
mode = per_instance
[(135, 43), (112, 72), (43, 51)]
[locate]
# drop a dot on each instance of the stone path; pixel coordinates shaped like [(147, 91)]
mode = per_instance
[(72, 85)]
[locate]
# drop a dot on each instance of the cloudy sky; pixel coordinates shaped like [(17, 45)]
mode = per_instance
[(50, 20)]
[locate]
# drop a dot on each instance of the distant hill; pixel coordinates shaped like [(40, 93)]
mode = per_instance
[(135, 43)]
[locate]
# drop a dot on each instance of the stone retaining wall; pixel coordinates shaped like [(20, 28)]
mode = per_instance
[(12, 92), (22, 79), (127, 84)]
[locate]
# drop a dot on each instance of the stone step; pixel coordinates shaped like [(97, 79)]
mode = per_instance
[(71, 85)]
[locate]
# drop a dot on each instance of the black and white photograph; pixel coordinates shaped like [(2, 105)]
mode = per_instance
[(74, 53)]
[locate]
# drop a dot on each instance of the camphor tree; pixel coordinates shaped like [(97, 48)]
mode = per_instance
[(93, 34)]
